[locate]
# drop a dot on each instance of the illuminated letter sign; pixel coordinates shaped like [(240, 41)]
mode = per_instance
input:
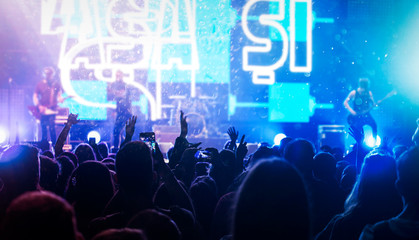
[(266, 74)]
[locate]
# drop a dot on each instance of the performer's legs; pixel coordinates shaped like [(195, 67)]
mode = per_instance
[(371, 122), (51, 124), (44, 123), (357, 123)]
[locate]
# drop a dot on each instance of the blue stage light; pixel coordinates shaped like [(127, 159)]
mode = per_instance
[(278, 138), (372, 142)]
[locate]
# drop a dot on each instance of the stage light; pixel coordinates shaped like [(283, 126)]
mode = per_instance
[(278, 138), (372, 142), (3, 135), (94, 134)]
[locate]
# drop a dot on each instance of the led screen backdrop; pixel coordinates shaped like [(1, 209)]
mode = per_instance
[(232, 55)]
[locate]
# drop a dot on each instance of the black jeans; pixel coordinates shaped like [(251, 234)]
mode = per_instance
[(48, 121), (366, 119)]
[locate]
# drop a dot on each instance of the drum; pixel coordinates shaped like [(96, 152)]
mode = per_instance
[(196, 124)]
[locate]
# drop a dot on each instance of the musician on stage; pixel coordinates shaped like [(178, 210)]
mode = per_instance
[(120, 92), (362, 103), (46, 97)]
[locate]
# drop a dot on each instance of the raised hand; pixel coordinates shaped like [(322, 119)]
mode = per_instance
[(129, 130), (183, 125), (240, 155), (72, 119), (233, 137), (130, 127), (242, 148)]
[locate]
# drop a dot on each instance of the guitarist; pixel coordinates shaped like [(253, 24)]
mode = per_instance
[(46, 97), (362, 103)]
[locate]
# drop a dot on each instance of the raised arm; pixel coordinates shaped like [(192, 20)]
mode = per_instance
[(240, 155), (350, 96), (183, 125), (71, 120), (233, 138), (129, 130), (177, 193)]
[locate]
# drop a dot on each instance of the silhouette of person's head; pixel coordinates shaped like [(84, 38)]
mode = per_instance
[(227, 157), (91, 186), (272, 203), (338, 153), (407, 175), (261, 153), (155, 225), (185, 170), (40, 215), (49, 173), (283, 144), (19, 171), (66, 168), (121, 234), (110, 163), (326, 148), (203, 192), (375, 188), (324, 166), (103, 149), (300, 153), (66, 165), (84, 152), (202, 169), (134, 168), (48, 153), (72, 157)]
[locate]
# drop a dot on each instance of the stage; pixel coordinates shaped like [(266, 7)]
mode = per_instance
[(265, 67)]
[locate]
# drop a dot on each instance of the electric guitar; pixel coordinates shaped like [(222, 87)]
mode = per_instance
[(40, 110), (351, 119)]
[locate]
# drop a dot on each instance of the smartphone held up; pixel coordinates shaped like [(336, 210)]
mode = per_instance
[(150, 139)]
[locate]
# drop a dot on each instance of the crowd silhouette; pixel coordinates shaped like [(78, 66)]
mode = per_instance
[(290, 191)]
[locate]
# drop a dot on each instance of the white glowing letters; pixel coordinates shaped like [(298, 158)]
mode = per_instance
[(266, 74), (94, 32)]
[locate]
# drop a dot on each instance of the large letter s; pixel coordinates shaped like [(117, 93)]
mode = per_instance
[(264, 74)]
